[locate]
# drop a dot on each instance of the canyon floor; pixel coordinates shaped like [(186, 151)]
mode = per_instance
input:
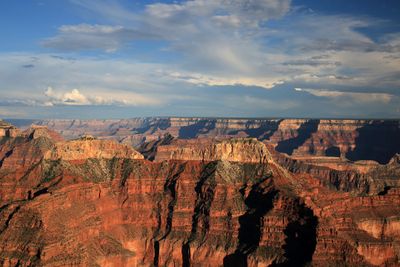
[(200, 192)]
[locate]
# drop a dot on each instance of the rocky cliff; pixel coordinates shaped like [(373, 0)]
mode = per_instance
[(8, 130), (202, 149), (224, 203), (376, 140), (87, 149)]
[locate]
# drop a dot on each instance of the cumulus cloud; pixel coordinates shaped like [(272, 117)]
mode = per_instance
[(69, 98), (76, 98)]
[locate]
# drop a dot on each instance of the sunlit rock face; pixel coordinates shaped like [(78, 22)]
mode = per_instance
[(91, 149), (235, 150), (202, 202), (8, 130)]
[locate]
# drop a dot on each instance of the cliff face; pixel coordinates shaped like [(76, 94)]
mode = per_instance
[(223, 203), (7, 130), (236, 150), (354, 139), (367, 178)]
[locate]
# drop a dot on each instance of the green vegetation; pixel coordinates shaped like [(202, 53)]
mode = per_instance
[(51, 169)]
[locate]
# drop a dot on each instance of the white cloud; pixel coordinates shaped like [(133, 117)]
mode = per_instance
[(355, 96), (232, 42), (96, 81), (250, 12), (226, 20), (199, 79), (118, 88), (88, 37), (76, 98), (69, 98)]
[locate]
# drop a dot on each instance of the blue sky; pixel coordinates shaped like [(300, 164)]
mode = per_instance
[(226, 58)]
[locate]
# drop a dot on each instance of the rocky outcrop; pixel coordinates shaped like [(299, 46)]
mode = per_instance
[(365, 178), (237, 150), (8, 130), (36, 132), (225, 203), (88, 148)]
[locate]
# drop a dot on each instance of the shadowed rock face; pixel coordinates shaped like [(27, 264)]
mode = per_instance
[(200, 127), (91, 203), (304, 132), (333, 151), (355, 139), (259, 202), (378, 140)]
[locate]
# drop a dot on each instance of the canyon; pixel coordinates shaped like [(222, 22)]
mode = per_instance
[(200, 192), (351, 139)]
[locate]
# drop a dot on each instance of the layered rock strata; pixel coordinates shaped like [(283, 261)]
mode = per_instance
[(235, 150), (224, 203), (376, 140)]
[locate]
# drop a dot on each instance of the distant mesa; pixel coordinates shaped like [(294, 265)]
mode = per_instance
[(37, 131)]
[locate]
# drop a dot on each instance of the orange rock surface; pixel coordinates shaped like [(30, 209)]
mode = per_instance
[(87, 149), (222, 203), (236, 150)]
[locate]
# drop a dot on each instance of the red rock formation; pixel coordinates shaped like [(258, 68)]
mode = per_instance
[(237, 150), (87, 149), (91, 203), (7, 130), (35, 132), (352, 139)]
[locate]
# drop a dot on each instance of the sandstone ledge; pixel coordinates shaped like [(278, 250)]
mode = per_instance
[(247, 150)]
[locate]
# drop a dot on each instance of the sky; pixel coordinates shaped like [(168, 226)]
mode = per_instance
[(86, 59)]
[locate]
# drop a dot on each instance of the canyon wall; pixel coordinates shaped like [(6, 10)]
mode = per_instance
[(376, 140), (235, 150), (90, 202)]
